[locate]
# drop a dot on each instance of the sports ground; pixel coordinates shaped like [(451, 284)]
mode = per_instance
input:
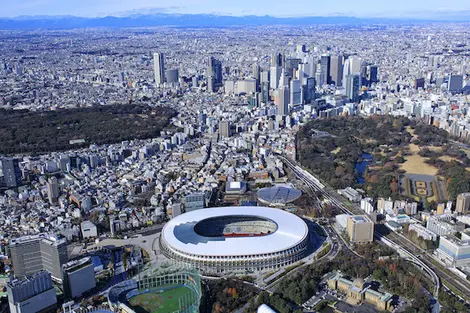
[(161, 302)]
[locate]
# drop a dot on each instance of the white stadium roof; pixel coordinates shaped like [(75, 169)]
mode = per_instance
[(179, 233)]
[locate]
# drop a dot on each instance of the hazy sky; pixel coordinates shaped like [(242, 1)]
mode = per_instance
[(360, 8)]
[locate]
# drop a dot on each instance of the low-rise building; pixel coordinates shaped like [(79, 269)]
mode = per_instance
[(89, 229), (351, 194), (357, 292), (423, 232)]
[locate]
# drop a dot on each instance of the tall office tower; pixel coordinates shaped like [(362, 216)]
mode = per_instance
[(214, 74), (353, 85), (224, 129), (301, 48), (32, 294), (79, 277), (159, 68), (356, 65), (282, 100), (336, 70), (291, 66), (325, 69), (11, 172), (295, 92), (277, 60), (275, 76), (265, 92), (52, 190), (309, 93), (455, 83), (172, 76), (360, 229), (373, 74), (256, 72), (30, 254), (463, 203)]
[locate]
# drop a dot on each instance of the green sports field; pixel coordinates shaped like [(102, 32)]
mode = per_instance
[(165, 302)]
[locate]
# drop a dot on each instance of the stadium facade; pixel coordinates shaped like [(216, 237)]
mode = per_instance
[(235, 239)]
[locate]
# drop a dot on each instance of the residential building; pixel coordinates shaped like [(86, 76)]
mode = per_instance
[(195, 201)]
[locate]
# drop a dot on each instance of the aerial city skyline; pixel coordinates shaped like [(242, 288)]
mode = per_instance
[(179, 163)]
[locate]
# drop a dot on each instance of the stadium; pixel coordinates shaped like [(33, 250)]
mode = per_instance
[(178, 292), (278, 195), (235, 239)]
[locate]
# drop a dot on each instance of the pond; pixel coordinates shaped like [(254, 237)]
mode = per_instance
[(362, 166)]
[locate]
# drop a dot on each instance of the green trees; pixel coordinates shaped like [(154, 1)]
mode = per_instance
[(24, 131), (457, 181)]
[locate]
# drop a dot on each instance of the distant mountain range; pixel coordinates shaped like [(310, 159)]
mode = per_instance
[(186, 20)]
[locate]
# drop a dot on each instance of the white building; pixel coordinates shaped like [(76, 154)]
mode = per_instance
[(453, 251), (367, 205), (423, 232), (89, 229)]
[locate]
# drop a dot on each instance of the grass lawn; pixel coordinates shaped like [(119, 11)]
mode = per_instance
[(165, 302)]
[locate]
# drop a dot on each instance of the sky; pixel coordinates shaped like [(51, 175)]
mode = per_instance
[(281, 8)]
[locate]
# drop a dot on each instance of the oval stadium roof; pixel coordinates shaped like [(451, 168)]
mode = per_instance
[(279, 194), (179, 233)]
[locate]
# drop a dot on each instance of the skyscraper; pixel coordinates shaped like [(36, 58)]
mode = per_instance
[(11, 172), (277, 60), (159, 68), (224, 129), (336, 70), (463, 203), (455, 83), (52, 190), (295, 92), (214, 74), (353, 85), (309, 93), (275, 75), (282, 100), (325, 69), (172, 76), (373, 74)]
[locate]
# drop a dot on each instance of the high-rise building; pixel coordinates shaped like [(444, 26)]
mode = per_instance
[(373, 74), (463, 203), (214, 74), (159, 68), (256, 73), (336, 70), (11, 172), (195, 201), (31, 254), (277, 60), (275, 76), (309, 90), (353, 85), (454, 251), (282, 100), (295, 92), (52, 190), (172, 76), (224, 129), (31, 294), (360, 229), (419, 83), (79, 277), (455, 83), (325, 69)]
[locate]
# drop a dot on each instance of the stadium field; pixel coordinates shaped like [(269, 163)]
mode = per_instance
[(161, 302)]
